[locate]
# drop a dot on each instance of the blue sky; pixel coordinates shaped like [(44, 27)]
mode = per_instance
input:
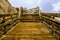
[(45, 5)]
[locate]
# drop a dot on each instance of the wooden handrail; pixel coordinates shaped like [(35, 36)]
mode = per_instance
[(7, 20), (4, 15), (53, 25)]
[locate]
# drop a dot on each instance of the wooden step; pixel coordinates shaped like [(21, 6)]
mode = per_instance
[(30, 14), (29, 38), (30, 20)]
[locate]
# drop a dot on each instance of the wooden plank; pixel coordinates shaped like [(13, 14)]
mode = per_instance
[(4, 15)]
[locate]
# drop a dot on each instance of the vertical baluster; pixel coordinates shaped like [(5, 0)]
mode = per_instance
[(4, 28)]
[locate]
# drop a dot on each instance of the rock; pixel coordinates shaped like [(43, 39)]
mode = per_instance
[(6, 7)]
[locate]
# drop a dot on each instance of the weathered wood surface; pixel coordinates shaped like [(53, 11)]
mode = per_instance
[(29, 31)]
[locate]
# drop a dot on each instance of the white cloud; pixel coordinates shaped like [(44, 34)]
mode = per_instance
[(13, 2), (25, 3), (45, 5), (56, 6)]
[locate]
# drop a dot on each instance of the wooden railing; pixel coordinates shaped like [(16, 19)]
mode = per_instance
[(53, 25), (7, 21)]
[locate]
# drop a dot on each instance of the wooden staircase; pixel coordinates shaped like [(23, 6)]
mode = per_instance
[(29, 28)]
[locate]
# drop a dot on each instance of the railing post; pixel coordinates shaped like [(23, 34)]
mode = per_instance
[(3, 20), (19, 13), (11, 17), (40, 13)]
